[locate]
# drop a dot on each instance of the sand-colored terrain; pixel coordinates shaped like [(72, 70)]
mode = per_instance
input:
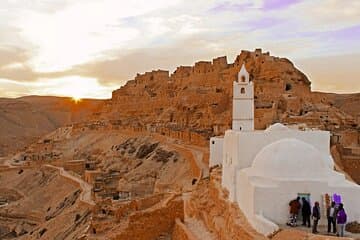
[(41, 203), (24, 120)]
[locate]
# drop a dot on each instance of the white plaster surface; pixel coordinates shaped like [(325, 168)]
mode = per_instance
[(216, 151), (264, 170), (243, 72), (251, 142), (279, 172), (243, 103)]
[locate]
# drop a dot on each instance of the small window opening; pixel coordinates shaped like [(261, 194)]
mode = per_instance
[(212, 142), (242, 90), (288, 87), (243, 79)]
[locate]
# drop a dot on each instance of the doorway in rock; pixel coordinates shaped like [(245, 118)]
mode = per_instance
[(307, 197)]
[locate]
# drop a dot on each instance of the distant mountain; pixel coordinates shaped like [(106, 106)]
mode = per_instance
[(24, 119)]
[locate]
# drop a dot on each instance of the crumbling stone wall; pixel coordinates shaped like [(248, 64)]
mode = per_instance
[(151, 223)]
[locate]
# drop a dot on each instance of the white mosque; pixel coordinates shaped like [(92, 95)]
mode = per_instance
[(264, 170)]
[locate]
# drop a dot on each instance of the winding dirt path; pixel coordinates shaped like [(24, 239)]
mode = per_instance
[(86, 188)]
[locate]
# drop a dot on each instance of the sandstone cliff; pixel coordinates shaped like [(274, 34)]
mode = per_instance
[(195, 102)]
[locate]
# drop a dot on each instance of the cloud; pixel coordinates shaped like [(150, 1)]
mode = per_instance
[(241, 6), (332, 73), (70, 86), (110, 41), (278, 4), (123, 65), (9, 88), (265, 22), (228, 6), (11, 55), (81, 31), (327, 15)]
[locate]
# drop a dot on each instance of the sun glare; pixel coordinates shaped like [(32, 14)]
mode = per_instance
[(75, 87), (76, 99)]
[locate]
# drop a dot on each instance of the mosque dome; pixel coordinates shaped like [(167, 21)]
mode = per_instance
[(290, 158), (277, 127)]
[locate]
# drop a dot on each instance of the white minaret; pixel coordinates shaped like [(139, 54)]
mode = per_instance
[(243, 102)]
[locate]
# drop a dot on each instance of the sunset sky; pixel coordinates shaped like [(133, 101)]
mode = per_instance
[(87, 48)]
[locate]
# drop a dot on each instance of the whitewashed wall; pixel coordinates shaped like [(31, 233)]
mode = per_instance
[(270, 198), (250, 143), (230, 162), (216, 151)]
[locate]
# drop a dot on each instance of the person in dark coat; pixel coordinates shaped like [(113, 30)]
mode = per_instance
[(306, 212), (316, 216), (331, 213)]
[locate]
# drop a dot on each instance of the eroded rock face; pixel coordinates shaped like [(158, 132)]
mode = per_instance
[(198, 98), (209, 204), (40, 204), (195, 102)]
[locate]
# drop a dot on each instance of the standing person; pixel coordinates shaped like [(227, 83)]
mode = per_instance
[(294, 211), (306, 212), (331, 213), (316, 216), (341, 220)]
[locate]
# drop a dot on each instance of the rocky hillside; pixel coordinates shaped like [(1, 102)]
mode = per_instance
[(133, 161), (38, 203), (24, 120), (195, 102)]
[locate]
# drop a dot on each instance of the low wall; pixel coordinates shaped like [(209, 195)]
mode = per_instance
[(15, 169), (151, 223), (125, 208)]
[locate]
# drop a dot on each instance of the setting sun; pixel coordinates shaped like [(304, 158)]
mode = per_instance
[(76, 99)]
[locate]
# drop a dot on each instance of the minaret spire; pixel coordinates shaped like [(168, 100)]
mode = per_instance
[(243, 102)]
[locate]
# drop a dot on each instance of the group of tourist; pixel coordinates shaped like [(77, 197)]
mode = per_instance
[(335, 214)]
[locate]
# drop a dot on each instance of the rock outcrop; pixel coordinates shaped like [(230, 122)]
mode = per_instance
[(195, 102)]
